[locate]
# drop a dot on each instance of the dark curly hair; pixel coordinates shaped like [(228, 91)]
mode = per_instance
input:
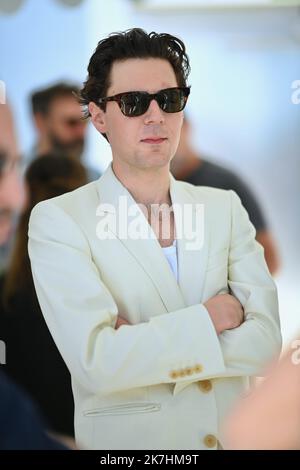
[(133, 43)]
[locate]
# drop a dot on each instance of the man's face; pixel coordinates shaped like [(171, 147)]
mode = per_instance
[(149, 140), (11, 197), (64, 127)]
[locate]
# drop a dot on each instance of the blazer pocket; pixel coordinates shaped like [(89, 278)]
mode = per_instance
[(218, 259), (123, 409)]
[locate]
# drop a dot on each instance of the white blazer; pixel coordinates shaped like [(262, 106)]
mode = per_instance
[(167, 380)]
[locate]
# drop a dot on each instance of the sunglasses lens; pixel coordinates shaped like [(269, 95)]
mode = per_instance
[(172, 101), (134, 104)]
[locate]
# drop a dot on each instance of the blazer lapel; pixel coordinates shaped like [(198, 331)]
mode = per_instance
[(193, 248), (192, 242), (192, 234), (116, 201)]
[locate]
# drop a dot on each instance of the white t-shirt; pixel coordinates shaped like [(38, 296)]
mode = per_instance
[(170, 253)]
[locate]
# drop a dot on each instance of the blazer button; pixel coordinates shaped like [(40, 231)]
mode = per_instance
[(210, 441), (188, 371), (205, 386), (198, 368), (174, 374), (182, 373)]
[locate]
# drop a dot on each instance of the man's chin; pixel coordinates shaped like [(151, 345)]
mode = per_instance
[(154, 161)]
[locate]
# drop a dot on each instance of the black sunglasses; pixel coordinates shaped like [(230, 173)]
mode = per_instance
[(136, 103)]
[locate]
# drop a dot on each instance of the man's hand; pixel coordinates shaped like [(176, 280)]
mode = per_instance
[(121, 321), (225, 311)]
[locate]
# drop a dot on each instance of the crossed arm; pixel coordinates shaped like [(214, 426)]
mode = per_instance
[(225, 311), (82, 314)]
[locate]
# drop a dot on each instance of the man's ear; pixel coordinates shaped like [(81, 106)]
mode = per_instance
[(98, 117)]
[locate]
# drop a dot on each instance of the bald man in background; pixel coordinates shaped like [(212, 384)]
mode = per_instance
[(21, 426), (8, 140)]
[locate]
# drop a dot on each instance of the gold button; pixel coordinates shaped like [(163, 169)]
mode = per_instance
[(188, 371), (181, 373), (205, 386), (198, 368), (210, 441), (174, 374)]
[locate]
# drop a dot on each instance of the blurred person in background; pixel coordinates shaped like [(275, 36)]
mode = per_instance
[(188, 166), (33, 360), (8, 139), (11, 194), (11, 189), (59, 125), (269, 417), (21, 426)]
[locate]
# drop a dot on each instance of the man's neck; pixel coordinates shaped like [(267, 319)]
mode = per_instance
[(147, 186), (151, 188)]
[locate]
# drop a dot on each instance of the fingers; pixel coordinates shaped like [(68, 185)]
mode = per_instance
[(120, 321), (240, 312), (236, 301), (237, 310)]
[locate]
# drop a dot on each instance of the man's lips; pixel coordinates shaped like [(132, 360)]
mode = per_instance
[(154, 140)]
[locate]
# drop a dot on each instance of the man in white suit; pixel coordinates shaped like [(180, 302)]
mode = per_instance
[(157, 355)]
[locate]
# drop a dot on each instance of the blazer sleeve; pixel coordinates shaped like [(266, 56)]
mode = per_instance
[(248, 348), (81, 315)]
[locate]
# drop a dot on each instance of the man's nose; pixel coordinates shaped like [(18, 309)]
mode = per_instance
[(154, 113)]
